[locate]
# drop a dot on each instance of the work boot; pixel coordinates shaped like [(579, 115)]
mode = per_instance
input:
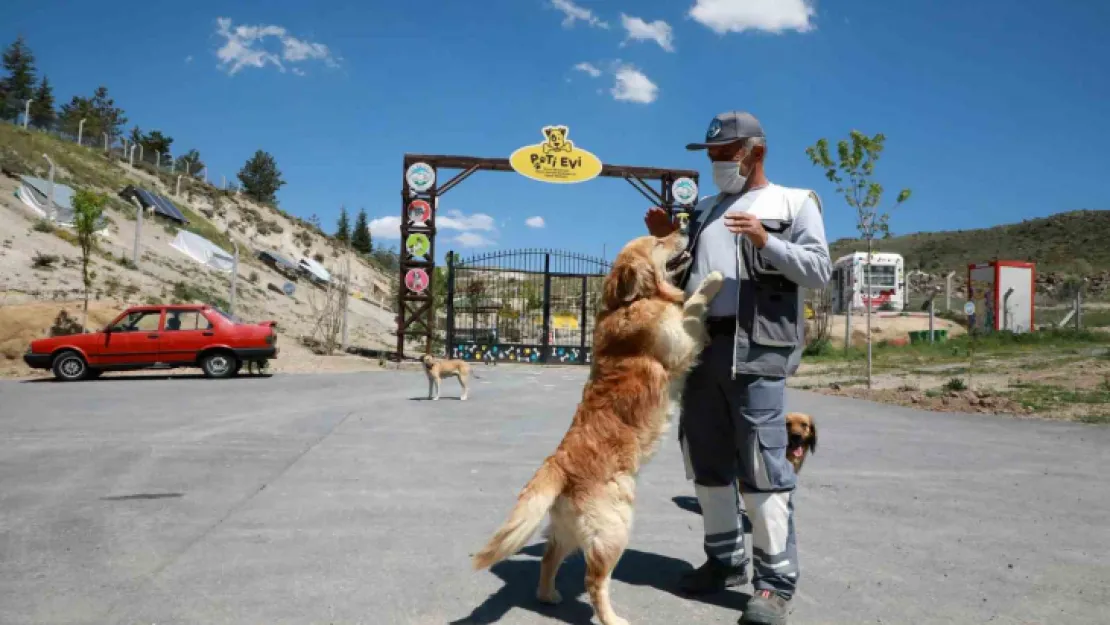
[(713, 576), (766, 607)]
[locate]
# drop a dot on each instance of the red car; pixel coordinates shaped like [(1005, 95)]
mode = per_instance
[(158, 337)]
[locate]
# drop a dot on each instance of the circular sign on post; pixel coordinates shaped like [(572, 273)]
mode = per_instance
[(419, 212), (418, 244), (969, 308), (416, 280), (288, 288), (420, 176), (684, 190)]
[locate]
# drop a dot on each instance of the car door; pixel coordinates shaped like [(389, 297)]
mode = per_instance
[(133, 340), (187, 331)]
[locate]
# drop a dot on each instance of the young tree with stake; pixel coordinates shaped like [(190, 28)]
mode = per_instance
[(852, 172), (88, 217)]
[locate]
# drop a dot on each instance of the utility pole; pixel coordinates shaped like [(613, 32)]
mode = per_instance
[(234, 279), (138, 229), (27, 113), (52, 211), (81, 131)]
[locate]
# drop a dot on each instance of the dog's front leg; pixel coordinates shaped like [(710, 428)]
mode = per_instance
[(696, 308)]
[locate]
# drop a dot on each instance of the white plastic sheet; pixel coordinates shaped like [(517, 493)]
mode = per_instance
[(203, 251)]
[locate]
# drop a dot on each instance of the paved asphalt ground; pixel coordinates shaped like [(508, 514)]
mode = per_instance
[(343, 499)]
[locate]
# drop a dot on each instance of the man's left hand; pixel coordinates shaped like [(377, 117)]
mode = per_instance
[(748, 225)]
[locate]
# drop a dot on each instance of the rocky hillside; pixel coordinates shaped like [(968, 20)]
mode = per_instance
[(39, 262)]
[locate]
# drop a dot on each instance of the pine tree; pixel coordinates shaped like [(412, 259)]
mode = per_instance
[(261, 177), (110, 118), (343, 228), (42, 109), (360, 235), (19, 85)]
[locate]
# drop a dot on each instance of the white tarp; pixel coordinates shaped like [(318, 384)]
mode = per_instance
[(316, 269), (203, 251), (35, 192)]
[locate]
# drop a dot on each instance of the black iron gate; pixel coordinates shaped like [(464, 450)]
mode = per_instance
[(527, 306)]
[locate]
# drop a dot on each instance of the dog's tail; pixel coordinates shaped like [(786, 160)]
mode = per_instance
[(531, 507)]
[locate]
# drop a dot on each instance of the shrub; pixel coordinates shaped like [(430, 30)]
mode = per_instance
[(43, 261), (64, 325), (955, 384), (43, 225)]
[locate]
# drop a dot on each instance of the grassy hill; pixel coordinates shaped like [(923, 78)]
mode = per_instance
[(1072, 243)]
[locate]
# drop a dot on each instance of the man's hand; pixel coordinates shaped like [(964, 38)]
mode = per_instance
[(748, 225), (658, 222)]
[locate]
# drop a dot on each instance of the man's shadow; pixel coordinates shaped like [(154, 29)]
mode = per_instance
[(637, 568)]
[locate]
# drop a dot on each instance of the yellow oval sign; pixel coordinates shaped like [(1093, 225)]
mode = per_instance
[(557, 159)]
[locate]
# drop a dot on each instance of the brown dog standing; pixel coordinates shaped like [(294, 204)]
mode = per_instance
[(437, 369)]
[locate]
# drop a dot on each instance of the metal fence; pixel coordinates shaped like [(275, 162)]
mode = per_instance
[(526, 306)]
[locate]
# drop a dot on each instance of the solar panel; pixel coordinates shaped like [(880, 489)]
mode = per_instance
[(167, 209)]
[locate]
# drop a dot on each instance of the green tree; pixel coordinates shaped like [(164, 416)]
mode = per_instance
[(42, 109), (261, 178), (343, 228), (190, 162), (155, 143), (109, 117), (360, 234), (88, 217), (99, 112), (853, 174), (19, 84)]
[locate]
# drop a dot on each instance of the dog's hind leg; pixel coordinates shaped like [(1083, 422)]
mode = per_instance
[(465, 388), (602, 555), (557, 550)]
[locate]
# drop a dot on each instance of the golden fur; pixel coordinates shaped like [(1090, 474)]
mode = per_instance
[(437, 369), (801, 430), (645, 342)]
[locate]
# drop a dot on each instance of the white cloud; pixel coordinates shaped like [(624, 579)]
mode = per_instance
[(633, 86), (589, 68), (189, 59), (657, 31), (385, 228), (298, 71), (573, 13), (471, 239), (773, 16), (454, 219), (535, 222), (243, 47)]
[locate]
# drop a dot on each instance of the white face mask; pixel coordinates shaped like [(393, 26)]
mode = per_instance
[(726, 175)]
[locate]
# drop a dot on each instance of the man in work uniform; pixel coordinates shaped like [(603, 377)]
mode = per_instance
[(769, 242)]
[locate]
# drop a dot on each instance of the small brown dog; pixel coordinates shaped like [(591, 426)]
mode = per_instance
[(437, 369), (801, 431), (645, 341)]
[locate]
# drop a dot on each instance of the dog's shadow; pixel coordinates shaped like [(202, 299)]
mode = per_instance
[(441, 398), (637, 568)]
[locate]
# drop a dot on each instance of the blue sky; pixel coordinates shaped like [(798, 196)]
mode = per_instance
[(993, 111)]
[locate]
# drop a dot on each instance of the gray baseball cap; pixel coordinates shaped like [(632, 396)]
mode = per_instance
[(729, 128)]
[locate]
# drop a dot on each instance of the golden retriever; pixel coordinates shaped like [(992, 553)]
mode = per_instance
[(801, 431), (437, 369), (645, 342)]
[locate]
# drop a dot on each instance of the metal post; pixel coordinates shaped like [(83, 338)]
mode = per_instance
[(546, 306), (51, 208), (223, 182), (173, 164), (106, 146), (450, 303), (848, 321), (1079, 308), (948, 290), (931, 320), (234, 279), (157, 159), (27, 113), (140, 152), (138, 229), (582, 339), (81, 131), (177, 191), (131, 159), (205, 174), (867, 287)]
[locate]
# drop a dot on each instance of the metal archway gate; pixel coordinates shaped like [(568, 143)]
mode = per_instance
[(524, 306)]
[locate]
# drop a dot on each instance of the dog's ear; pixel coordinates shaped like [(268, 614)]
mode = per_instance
[(547, 132), (812, 442), (627, 283)]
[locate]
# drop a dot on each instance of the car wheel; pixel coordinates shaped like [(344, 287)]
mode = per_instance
[(70, 367), (218, 364)]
